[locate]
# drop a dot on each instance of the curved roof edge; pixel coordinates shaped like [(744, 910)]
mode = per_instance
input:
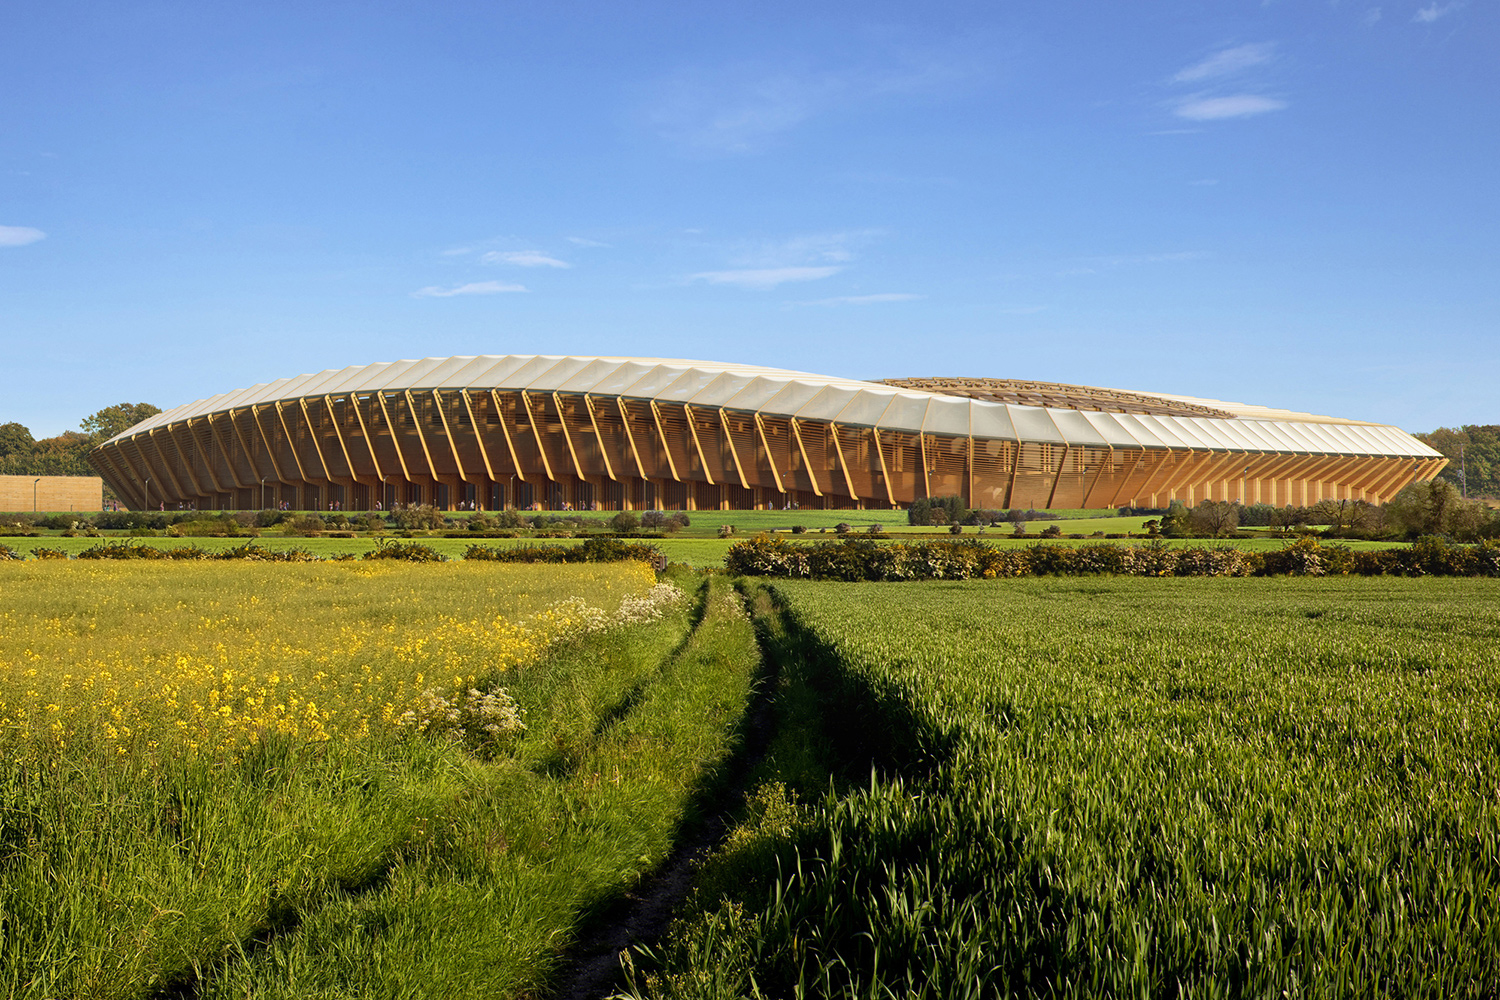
[(822, 397)]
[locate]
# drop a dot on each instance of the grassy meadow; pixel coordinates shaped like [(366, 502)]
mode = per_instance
[(342, 779), (1117, 787)]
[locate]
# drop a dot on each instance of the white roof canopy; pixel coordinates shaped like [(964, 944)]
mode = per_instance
[(804, 396)]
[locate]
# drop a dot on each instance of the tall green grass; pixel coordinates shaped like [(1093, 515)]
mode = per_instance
[(1205, 788), (378, 865)]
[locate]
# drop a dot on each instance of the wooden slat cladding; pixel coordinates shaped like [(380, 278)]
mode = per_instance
[(356, 448)]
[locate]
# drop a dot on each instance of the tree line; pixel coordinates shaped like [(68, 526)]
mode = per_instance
[(1473, 454), (21, 454)]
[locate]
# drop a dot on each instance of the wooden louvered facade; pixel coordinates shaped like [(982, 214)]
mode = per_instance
[(551, 444)]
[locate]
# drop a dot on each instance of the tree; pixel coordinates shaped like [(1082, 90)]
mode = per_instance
[(1437, 508), (113, 419), (15, 439), (1174, 523), (1214, 518), (1473, 454)]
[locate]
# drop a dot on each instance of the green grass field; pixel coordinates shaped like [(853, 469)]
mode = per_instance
[(270, 780), (1118, 787)]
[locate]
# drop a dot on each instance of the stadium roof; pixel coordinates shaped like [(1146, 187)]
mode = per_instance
[(1075, 415)]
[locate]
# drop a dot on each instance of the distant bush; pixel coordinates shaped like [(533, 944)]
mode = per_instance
[(598, 548), (307, 525), (926, 511), (408, 551), (624, 522), (250, 551), (417, 517), (664, 520)]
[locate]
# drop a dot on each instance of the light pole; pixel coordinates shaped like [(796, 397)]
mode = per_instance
[(33, 493), (1463, 473), (262, 492), (510, 494), (148, 493)]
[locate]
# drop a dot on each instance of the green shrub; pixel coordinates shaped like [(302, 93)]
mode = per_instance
[(417, 517), (408, 551)]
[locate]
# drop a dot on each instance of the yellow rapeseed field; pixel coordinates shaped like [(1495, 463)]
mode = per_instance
[(148, 659)]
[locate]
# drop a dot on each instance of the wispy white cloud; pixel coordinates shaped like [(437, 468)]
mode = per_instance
[(1225, 62), (19, 236), (864, 300), (523, 258), (472, 288), (1204, 182), (760, 278), (579, 241), (1433, 11), (741, 108), (1200, 109), (806, 248), (1372, 16)]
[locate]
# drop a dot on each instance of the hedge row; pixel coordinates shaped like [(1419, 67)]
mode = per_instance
[(595, 549), (862, 559)]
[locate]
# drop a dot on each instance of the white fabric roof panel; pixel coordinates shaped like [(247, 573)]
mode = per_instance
[(448, 373), (1252, 430), (1145, 436), (590, 375), (1285, 442), (827, 404), (991, 421), (1166, 430), (656, 381), (1076, 429), (1222, 433), (688, 383), (865, 409), (778, 392), (1328, 444), (906, 413), (553, 374), (947, 415), (493, 371), (794, 395), (721, 389), (1033, 424), (1109, 429), (756, 393)]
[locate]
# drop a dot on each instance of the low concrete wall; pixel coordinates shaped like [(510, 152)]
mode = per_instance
[(51, 493)]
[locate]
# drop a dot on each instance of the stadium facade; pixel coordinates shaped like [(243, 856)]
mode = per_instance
[(616, 433)]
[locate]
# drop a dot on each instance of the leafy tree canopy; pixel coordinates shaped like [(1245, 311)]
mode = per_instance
[(15, 439), (1473, 452), (113, 419), (67, 453)]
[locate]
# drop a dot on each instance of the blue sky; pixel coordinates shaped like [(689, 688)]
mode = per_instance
[(1285, 203)]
